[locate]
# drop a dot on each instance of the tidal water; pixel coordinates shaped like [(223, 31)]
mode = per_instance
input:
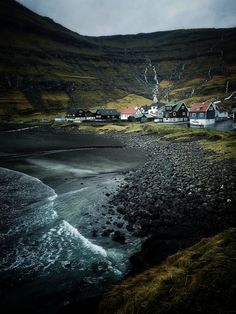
[(52, 214)]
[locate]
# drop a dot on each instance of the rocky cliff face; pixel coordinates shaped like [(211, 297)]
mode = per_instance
[(47, 68)]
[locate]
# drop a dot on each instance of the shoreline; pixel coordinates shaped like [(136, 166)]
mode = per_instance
[(159, 199), (194, 198), (96, 183), (181, 194)]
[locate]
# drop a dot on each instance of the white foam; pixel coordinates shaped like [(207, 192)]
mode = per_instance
[(28, 177), (25, 195), (75, 191), (22, 129), (48, 164), (76, 234)]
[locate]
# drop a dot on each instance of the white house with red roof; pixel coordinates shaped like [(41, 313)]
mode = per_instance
[(126, 113), (203, 113)]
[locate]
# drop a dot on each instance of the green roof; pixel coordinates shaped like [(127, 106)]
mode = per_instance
[(175, 107), (93, 110), (138, 115)]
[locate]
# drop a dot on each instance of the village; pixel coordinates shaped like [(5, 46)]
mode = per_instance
[(198, 114)]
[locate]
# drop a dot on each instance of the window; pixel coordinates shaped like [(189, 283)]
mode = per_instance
[(193, 114), (174, 114), (201, 115), (183, 113)]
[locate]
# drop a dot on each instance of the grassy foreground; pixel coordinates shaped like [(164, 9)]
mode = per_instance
[(201, 279), (222, 143)]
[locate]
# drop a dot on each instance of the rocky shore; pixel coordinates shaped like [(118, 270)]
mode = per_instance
[(179, 195)]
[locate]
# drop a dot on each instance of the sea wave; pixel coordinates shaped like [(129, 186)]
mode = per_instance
[(62, 167), (69, 229), (22, 129)]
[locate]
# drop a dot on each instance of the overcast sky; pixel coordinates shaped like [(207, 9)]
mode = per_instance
[(109, 17)]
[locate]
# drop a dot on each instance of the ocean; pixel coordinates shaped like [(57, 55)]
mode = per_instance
[(54, 209)]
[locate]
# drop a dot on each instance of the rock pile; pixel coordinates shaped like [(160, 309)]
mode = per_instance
[(181, 192)]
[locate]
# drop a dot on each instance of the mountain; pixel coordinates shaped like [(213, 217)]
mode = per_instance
[(46, 68)]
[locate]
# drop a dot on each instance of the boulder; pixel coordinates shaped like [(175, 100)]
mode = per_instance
[(118, 237)]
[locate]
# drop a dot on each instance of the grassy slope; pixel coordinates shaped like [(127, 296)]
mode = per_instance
[(54, 68), (201, 279)]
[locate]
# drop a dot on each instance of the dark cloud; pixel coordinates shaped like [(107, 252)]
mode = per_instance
[(108, 17)]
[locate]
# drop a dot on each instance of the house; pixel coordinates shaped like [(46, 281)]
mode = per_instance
[(143, 109), (234, 118), (202, 113), (74, 113), (80, 115), (174, 113), (126, 113), (107, 114), (158, 112), (90, 114), (153, 109), (70, 115), (137, 117), (221, 113)]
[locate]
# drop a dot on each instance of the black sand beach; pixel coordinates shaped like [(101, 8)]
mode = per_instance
[(167, 195)]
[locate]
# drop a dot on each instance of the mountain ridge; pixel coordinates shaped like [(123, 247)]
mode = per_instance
[(46, 68)]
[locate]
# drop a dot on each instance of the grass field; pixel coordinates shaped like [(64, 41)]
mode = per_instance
[(201, 279)]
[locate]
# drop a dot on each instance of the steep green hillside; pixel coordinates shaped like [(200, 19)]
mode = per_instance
[(46, 68), (201, 279)]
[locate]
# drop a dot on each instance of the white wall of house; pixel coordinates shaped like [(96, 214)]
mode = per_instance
[(79, 119), (124, 116), (153, 110), (139, 111), (221, 115), (60, 119), (158, 120), (174, 120), (90, 118), (203, 122)]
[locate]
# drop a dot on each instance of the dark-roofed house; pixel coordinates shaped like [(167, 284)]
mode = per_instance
[(174, 113), (71, 113), (74, 113), (107, 114), (202, 114), (80, 113), (90, 114), (141, 117)]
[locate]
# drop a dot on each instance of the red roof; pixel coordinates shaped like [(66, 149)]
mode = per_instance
[(128, 111), (202, 106), (221, 107)]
